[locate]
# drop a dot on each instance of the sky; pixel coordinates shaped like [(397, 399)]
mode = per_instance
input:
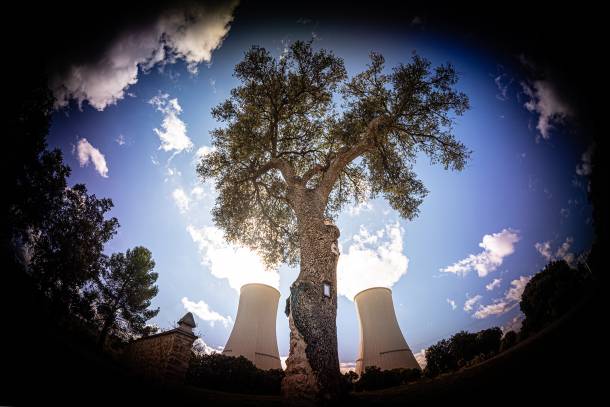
[(133, 119)]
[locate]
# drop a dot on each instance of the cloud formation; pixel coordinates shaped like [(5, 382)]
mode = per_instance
[(203, 311), (471, 302), (496, 247), (544, 100), (345, 367), (356, 209), (562, 253), (502, 81), (500, 306), (173, 130), (372, 260), (452, 303), (189, 33), (86, 154), (239, 265), (181, 199), (494, 284), (202, 348)]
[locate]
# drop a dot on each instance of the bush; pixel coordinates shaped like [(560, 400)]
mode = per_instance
[(551, 293), (374, 378), (462, 349), (232, 374)]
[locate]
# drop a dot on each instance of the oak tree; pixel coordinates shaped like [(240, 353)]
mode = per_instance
[(300, 141)]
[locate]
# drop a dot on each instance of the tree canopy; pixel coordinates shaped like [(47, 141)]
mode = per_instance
[(68, 248), (298, 123), (126, 288), (551, 293)]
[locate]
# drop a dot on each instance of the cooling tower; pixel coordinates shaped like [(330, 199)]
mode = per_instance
[(253, 335), (381, 341)]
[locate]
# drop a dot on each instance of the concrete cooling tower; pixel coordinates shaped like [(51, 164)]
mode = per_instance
[(253, 335), (381, 341)]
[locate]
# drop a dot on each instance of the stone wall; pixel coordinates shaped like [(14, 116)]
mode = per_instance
[(163, 356)]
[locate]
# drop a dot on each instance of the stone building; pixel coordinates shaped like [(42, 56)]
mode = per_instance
[(164, 356)]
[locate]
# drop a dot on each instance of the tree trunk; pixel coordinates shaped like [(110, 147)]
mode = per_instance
[(105, 331), (312, 372)]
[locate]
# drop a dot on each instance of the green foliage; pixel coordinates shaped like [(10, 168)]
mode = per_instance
[(68, 249), (55, 235), (374, 378), (439, 359), (283, 134), (126, 288), (232, 374), (33, 178), (462, 349), (551, 293)]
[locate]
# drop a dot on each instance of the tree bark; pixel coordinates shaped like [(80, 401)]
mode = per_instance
[(312, 372)]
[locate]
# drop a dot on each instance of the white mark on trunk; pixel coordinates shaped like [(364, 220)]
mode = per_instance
[(334, 249)]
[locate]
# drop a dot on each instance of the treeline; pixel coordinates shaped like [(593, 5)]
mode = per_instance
[(549, 295), (54, 236), (232, 374)]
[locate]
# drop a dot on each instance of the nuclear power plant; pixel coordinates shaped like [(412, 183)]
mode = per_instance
[(253, 335), (381, 341)]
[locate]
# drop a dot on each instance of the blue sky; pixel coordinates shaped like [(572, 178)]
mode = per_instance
[(520, 201)]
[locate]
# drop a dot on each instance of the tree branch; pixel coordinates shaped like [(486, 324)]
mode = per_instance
[(275, 163), (346, 155)]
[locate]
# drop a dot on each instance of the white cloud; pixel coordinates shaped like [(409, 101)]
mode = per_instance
[(202, 152), (181, 199), (562, 253), (355, 210), (283, 362), (496, 247), (500, 306), (496, 308), (544, 248), (203, 311), (516, 291), (471, 302), (198, 192), (87, 153), (173, 130), (545, 101), (345, 367), (421, 358), (502, 81), (452, 303), (239, 265), (372, 260), (190, 33), (514, 324), (202, 348), (120, 140), (494, 284)]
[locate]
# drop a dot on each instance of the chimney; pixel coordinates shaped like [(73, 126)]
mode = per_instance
[(381, 341), (253, 335)]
